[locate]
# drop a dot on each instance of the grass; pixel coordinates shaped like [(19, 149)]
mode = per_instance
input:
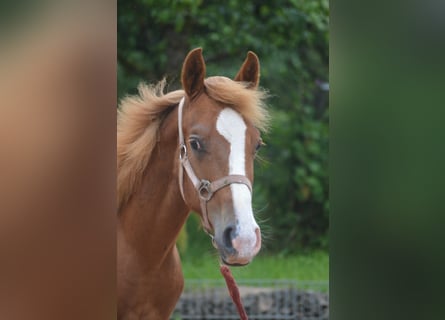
[(310, 266), (200, 261)]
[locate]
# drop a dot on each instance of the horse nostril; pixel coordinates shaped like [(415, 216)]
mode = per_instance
[(227, 237)]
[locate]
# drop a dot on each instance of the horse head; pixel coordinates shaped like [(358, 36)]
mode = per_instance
[(218, 141)]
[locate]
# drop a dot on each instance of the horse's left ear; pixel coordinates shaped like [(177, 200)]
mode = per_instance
[(250, 70), (193, 73)]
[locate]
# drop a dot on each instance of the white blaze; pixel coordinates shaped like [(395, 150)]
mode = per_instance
[(231, 126)]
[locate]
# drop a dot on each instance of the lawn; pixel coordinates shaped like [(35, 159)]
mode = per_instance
[(310, 266)]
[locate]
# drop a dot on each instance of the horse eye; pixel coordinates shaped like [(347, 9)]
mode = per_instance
[(195, 144)]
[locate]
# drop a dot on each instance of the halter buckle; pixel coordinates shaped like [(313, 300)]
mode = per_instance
[(205, 191)]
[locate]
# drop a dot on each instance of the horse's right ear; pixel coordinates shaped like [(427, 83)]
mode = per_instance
[(193, 73)]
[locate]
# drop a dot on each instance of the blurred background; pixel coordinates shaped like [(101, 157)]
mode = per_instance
[(291, 38)]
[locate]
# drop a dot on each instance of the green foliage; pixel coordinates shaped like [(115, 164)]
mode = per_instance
[(296, 181), (182, 241), (291, 39)]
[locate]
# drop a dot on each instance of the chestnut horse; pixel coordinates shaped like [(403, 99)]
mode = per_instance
[(187, 150)]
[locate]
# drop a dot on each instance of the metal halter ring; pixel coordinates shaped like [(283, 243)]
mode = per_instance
[(182, 152), (205, 191)]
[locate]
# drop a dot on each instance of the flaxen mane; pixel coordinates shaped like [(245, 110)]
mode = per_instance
[(140, 116)]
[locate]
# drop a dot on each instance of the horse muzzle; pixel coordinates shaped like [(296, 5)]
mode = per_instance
[(237, 247)]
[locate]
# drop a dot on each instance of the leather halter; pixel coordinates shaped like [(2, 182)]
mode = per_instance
[(205, 188)]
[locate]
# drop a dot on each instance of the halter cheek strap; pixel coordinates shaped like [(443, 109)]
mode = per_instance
[(205, 188)]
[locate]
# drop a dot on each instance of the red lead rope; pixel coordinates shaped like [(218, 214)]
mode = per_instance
[(233, 290)]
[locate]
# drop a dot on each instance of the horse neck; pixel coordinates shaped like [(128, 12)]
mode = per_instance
[(152, 219)]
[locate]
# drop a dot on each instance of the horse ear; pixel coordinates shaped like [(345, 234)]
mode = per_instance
[(193, 73), (250, 70)]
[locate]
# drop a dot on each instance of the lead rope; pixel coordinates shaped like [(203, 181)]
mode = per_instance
[(233, 291)]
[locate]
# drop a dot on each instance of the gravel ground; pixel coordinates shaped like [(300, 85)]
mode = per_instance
[(260, 303)]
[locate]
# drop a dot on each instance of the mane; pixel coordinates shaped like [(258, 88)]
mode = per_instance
[(140, 116), (138, 121)]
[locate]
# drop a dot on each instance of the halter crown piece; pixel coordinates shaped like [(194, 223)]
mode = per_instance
[(205, 188)]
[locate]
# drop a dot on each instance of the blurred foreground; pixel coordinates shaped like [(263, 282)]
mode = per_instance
[(57, 142)]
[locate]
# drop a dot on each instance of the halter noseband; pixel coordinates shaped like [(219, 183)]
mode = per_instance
[(205, 188)]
